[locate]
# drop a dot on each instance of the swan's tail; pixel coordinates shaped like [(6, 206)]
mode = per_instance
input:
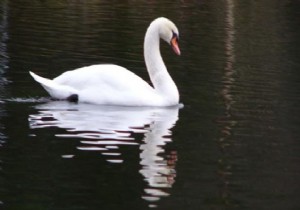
[(55, 90)]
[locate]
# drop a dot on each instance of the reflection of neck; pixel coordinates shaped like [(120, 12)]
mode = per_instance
[(155, 168), (160, 78), (153, 165)]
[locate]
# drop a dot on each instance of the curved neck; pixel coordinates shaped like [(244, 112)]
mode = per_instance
[(160, 78)]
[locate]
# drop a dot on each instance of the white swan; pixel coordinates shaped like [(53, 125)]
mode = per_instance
[(114, 85)]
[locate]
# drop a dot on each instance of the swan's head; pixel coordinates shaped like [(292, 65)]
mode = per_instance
[(168, 32)]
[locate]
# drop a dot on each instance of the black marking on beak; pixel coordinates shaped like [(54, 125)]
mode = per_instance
[(175, 35)]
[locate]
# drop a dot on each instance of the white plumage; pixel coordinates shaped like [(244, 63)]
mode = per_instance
[(114, 85)]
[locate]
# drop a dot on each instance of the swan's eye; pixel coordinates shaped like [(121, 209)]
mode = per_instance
[(175, 35)]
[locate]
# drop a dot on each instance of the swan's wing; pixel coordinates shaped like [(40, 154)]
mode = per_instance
[(101, 84), (105, 77), (56, 90), (109, 84)]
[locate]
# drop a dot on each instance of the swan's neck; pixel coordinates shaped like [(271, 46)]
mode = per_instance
[(160, 78)]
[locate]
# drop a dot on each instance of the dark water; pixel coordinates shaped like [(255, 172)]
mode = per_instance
[(234, 145)]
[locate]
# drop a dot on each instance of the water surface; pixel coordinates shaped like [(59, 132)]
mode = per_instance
[(234, 144)]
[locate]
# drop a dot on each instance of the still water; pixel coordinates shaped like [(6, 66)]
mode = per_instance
[(234, 144)]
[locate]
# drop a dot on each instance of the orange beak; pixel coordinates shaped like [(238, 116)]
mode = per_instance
[(174, 44)]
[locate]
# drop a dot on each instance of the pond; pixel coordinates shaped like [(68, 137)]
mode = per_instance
[(233, 143)]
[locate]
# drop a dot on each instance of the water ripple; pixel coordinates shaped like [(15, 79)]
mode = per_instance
[(106, 129)]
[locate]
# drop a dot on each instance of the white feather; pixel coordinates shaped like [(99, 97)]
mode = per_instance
[(115, 85)]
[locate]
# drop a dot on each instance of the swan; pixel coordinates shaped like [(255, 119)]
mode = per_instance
[(109, 84)]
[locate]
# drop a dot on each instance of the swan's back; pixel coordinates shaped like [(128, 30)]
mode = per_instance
[(100, 75)]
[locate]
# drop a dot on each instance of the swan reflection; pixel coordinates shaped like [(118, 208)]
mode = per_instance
[(158, 167), (106, 128)]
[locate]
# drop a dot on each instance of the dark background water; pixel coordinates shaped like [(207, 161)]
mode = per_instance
[(234, 145)]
